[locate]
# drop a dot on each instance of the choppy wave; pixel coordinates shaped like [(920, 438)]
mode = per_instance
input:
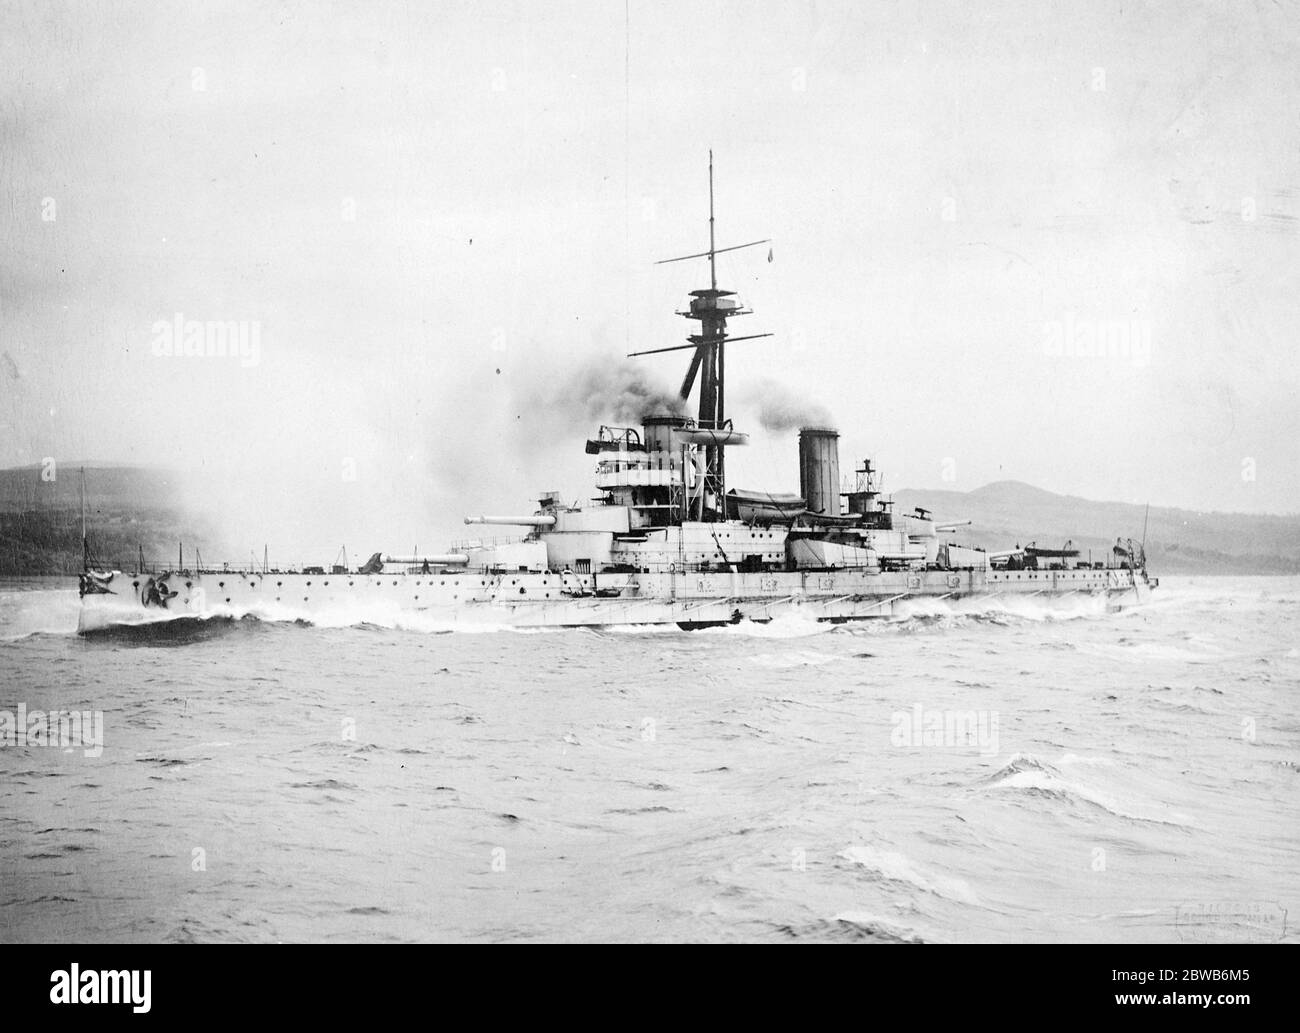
[(1026, 774), (852, 927), (896, 867)]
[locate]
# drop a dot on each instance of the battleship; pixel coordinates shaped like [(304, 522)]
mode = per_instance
[(666, 541)]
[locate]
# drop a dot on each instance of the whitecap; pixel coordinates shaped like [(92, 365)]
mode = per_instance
[(897, 867)]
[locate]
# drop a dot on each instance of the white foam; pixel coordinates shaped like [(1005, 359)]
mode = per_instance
[(789, 661), (40, 611), (642, 629), (1145, 652), (1026, 608), (1030, 780), (1074, 758), (783, 626), (898, 868)]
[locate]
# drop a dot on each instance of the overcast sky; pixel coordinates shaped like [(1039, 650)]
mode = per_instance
[(438, 215)]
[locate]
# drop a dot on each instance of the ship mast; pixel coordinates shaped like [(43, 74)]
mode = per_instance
[(85, 540), (711, 308), (713, 251)]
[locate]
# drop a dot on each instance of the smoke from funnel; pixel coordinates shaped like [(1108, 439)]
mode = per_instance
[(781, 410), (619, 391), (554, 402)]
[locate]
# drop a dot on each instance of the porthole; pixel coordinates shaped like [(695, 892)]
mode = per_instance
[(279, 584), (135, 584), (523, 591), (189, 584), (227, 598), (309, 584), (222, 584)]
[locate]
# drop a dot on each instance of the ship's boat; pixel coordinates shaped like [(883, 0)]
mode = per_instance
[(667, 541), (1054, 554), (764, 507)]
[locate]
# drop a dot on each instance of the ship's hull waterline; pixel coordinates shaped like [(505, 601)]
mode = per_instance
[(541, 600)]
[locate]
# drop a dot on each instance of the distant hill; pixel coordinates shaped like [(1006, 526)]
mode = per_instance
[(132, 507), (128, 508), (1179, 541)]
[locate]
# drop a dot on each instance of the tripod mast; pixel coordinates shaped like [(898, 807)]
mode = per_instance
[(711, 308)]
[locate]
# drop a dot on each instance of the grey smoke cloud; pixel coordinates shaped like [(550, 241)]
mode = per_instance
[(602, 389), (625, 392), (780, 410)]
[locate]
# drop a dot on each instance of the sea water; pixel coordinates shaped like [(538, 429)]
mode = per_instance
[(991, 773)]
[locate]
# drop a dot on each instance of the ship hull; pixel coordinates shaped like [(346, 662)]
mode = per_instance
[(687, 599)]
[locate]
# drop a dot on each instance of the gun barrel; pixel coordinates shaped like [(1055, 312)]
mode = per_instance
[(446, 559), (536, 520)]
